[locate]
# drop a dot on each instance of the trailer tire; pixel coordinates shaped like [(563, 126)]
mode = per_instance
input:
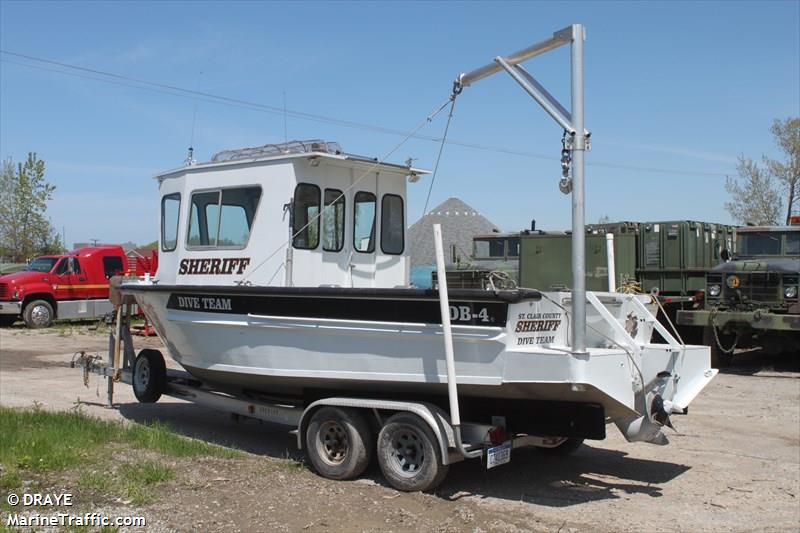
[(38, 314), (565, 448), (409, 455), (339, 443), (149, 376), (719, 359)]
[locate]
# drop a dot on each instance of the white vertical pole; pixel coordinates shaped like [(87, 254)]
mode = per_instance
[(578, 167), (612, 274), (444, 304)]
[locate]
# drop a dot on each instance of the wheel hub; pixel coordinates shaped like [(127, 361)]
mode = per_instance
[(40, 315), (333, 442), (142, 375), (408, 453)]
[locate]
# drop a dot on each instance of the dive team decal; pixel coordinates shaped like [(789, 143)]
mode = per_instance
[(204, 303), (537, 323), (427, 311), (214, 266)]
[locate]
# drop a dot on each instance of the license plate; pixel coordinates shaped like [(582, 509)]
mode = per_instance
[(499, 455)]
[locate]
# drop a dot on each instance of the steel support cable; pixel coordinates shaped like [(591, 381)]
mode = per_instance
[(254, 106), (372, 167), (441, 149)]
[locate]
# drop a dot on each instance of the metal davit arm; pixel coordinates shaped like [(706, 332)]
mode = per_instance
[(558, 39), (572, 122)]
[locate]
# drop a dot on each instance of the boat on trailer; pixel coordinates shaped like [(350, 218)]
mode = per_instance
[(283, 275)]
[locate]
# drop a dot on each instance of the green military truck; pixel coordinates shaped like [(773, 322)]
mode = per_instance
[(752, 299), (494, 263)]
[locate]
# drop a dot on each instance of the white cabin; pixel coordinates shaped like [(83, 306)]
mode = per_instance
[(301, 214)]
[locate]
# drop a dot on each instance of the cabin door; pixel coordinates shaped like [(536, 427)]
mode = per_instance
[(362, 257)]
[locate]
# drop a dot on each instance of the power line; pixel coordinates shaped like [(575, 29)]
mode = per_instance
[(173, 90)]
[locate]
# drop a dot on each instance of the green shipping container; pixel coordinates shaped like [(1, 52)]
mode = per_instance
[(546, 260), (672, 256)]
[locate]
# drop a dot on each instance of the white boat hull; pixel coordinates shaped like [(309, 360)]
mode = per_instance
[(525, 357)]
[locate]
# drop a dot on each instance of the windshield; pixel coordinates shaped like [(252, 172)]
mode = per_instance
[(793, 243), (489, 248), (768, 243), (41, 264)]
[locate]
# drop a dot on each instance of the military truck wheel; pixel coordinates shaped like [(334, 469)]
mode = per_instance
[(38, 314), (719, 359)]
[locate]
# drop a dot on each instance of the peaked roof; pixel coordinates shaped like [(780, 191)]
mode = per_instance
[(460, 223)]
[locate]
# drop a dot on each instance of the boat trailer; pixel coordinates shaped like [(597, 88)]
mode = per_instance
[(431, 432)]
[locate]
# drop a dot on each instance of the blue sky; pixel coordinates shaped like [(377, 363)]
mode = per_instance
[(679, 87)]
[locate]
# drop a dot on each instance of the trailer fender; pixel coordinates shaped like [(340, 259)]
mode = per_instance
[(435, 417)]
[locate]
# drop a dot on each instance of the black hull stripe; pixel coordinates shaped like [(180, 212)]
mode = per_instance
[(462, 312), (478, 295)]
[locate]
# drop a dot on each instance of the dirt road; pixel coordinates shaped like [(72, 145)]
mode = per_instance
[(734, 465)]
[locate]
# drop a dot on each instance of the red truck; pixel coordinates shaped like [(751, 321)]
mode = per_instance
[(74, 285)]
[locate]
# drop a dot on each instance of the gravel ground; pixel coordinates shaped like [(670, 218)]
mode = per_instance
[(734, 464)]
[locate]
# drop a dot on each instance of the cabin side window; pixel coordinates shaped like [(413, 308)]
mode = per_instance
[(305, 219), (333, 221), (364, 222), (222, 218), (170, 213), (392, 224)]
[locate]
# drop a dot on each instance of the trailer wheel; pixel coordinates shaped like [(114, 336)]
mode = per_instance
[(719, 359), (149, 376), (408, 454), (338, 443), (565, 448), (38, 314)]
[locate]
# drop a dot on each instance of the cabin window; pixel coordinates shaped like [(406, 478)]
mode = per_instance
[(333, 221), (392, 224), (170, 212), (222, 218), (112, 265), (305, 219), (237, 211), (364, 222)]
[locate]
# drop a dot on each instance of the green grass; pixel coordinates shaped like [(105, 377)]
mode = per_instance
[(35, 439), (35, 442), (132, 481)]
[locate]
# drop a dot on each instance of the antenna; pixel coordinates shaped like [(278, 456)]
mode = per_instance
[(190, 160), (285, 119)]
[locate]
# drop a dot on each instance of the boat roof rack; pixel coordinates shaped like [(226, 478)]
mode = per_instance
[(272, 150)]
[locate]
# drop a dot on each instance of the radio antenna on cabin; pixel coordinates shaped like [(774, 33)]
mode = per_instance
[(190, 160), (285, 120)]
